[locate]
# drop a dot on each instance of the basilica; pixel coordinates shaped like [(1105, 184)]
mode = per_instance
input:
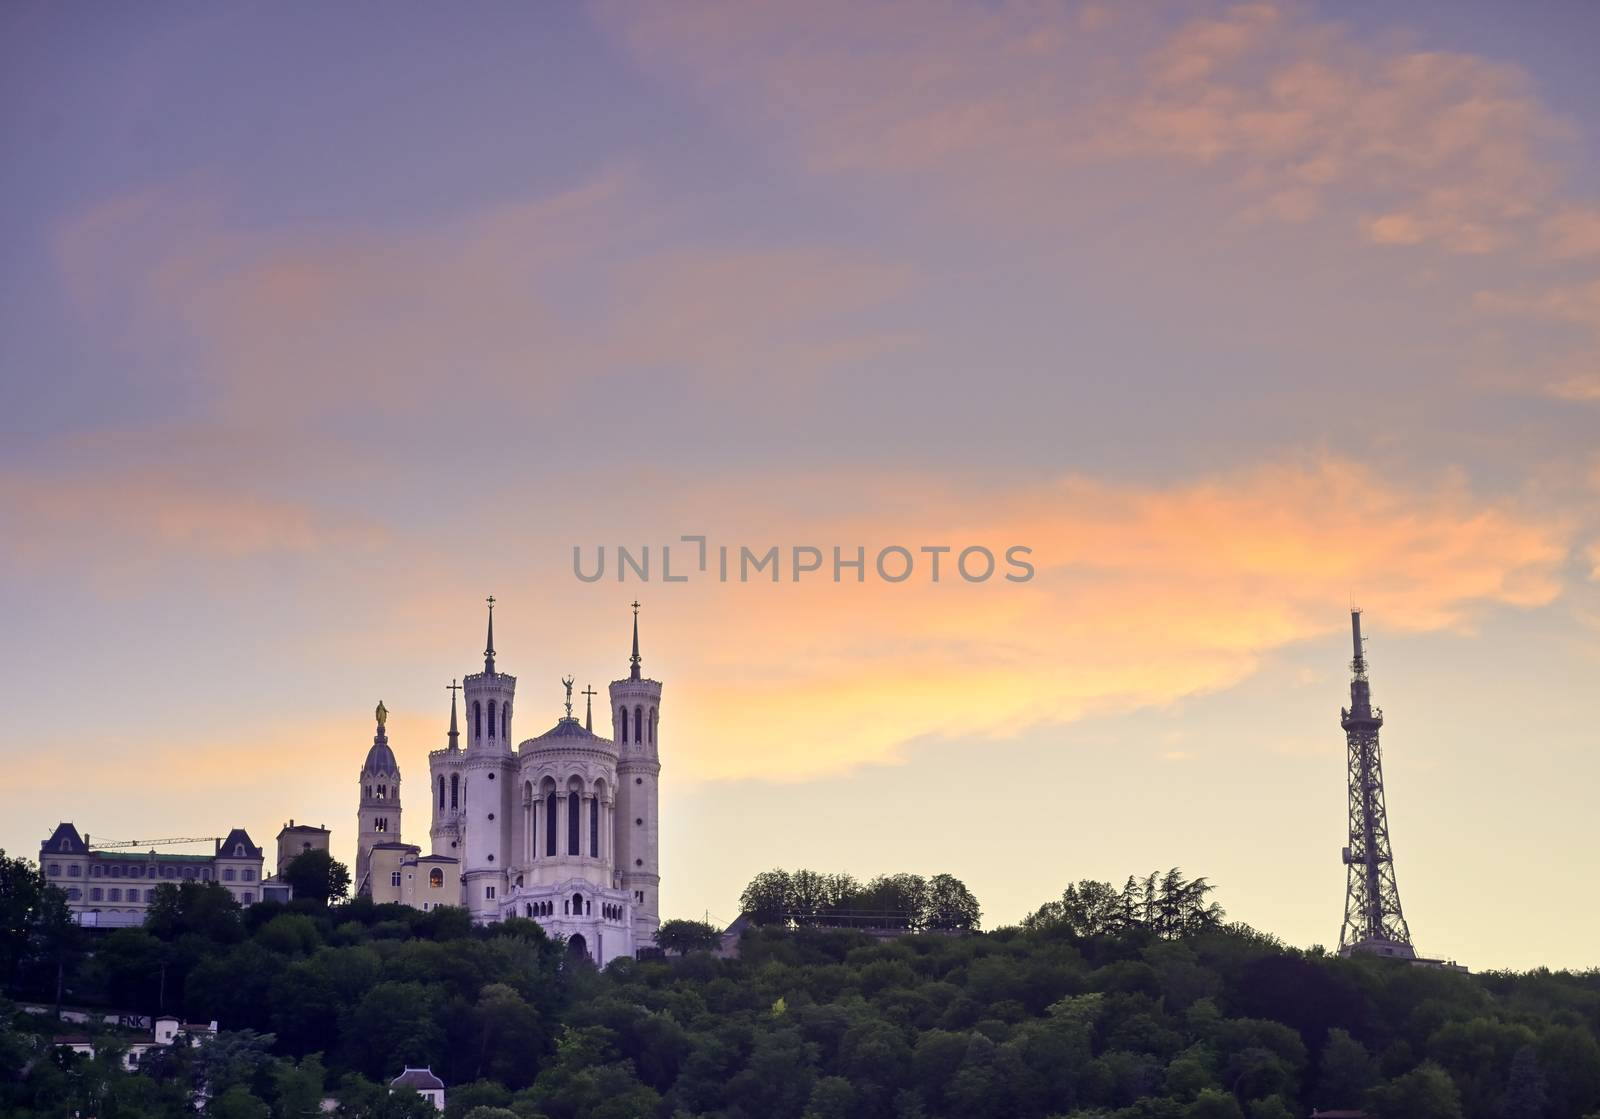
[(561, 828)]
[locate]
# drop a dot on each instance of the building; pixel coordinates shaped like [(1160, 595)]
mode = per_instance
[(106, 886), (402, 874), (167, 1032), (423, 1083), (295, 840), (562, 828)]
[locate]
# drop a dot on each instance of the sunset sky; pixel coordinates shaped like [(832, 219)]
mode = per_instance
[(318, 324)]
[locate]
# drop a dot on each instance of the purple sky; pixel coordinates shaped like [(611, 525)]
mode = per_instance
[(318, 324)]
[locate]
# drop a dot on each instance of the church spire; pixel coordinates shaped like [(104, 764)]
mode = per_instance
[(588, 707), (455, 735), (633, 671), (488, 649)]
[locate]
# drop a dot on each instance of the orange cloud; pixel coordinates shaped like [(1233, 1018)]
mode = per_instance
[(1015, 101)]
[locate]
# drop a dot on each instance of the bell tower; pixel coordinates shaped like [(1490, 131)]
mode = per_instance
[(635, 712), (378, 818), (488, 777)]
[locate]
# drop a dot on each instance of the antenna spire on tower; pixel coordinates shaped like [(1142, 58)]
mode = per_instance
[(488, 649), (455, 735), (633, 661)]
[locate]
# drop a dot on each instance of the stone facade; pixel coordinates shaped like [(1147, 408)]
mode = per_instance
[(116, 887), (562, 828)]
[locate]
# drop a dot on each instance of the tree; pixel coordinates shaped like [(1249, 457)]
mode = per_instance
[(951, 905), (1426, 1092), (1346, 1072), (37, 933), (317, 876), (684, 936), (1526, 1094), (205, 909), (766, 899)]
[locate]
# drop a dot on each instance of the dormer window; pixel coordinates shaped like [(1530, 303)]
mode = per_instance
[(238, 850)]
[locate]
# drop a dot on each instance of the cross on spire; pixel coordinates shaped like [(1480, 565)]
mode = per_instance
[(588, 706), (633, 661), (488, 650), (455, 735)]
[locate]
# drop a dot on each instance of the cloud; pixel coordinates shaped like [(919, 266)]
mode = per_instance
[(991, 104), (1143, 596), (513, 300)]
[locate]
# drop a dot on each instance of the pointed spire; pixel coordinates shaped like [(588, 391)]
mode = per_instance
[(455, 735), (488, 649), (633, 672), (588, 707)]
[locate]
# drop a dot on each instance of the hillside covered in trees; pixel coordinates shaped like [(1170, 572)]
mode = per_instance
[(1137, 1002)]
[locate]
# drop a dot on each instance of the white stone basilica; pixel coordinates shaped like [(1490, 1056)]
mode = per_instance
[(561, 828)]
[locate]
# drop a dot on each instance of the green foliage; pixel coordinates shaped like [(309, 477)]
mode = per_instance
[(899, 902), (318, 877), (1117, 1004), (682, 937)]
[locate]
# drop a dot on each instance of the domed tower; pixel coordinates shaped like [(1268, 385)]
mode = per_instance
[(488, 778), (446, 771), (378, 819), (635, 709)]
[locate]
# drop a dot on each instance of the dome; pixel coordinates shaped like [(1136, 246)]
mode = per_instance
[(380, 759)]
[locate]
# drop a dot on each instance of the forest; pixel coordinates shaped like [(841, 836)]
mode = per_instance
[(1133, 1002)]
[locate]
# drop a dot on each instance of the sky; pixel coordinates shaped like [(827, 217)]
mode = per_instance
[(319, 325)]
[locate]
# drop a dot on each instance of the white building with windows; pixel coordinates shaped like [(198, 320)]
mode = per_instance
[(561, 828), (113, 886)]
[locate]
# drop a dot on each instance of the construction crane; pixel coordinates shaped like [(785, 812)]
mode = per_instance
[(175, 840)]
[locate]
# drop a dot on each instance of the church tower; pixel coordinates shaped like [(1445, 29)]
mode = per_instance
[(378, 818), (446, 772), (635, 707), (488, 773)]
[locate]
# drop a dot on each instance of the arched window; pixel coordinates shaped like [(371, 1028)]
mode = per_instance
[(381, 825), (477, 720), (550, 825), (638, 724), (455, 790), (436, 878), (652, 730), (238, 850), (572, 824), (577, 905), (622, 713), (441, 790), (491, 718), (505, 720), (594, 828)]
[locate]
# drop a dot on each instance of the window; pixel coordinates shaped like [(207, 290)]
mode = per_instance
[(248, 874), (74, 894), (394, 879), (505, 720), (441, 790), (638, 724), (488, 891), (455, 782), (248, 897), (95, 894), (136, 872), (380, 824), (491, 718), (188, 872), (116, 894), (622, 712), (116, 871), (594, 828), (149, 895), (436, 878), (97, 870), (572, 824), (383, 794), (550, 825), (477, 719), (55, 869), (73, 870), (238, 848), (66, 844), (227, 874), (652, 730)]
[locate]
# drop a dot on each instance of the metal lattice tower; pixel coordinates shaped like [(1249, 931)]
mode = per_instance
[(1373, 922)]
